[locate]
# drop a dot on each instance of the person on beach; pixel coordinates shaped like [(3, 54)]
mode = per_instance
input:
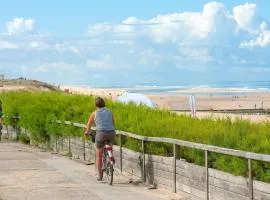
[(105, 130)]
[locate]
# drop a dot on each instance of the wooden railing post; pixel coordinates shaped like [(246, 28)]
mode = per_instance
[(175, 157), (7, 131), (68, 144), (56, 140), (250, 179), (206, 175), (83, 148), (121, 156), (143, 162)]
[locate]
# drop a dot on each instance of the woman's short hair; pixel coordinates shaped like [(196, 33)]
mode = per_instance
[(100, 103)]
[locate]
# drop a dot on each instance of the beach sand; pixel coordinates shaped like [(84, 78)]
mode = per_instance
[(102, 92), (213, 102), (179, 101), (30, 88), (207, 105)]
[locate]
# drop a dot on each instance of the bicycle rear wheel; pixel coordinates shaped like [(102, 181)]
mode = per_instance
[(109, 173)]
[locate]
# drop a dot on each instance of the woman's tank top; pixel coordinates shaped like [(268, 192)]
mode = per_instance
[(103, 120)]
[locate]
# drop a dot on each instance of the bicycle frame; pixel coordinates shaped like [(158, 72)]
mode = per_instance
[(107, 152)]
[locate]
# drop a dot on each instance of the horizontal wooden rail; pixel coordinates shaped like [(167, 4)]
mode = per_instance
[(204, 147)]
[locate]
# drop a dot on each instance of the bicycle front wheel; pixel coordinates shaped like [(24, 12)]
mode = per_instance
[(109, 173)]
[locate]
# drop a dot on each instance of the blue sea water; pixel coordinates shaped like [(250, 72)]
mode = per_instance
[(232, 88)]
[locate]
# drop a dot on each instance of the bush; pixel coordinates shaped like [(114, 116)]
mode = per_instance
[(25, 139)]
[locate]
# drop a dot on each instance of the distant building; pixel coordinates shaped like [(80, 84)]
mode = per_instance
[(2, 77)]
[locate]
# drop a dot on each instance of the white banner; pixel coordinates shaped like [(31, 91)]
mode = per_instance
[(192, 105)]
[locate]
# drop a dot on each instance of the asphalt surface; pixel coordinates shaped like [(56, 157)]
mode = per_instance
[(30, 173)]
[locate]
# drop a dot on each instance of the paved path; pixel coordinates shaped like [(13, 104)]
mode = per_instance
[(28, 173)]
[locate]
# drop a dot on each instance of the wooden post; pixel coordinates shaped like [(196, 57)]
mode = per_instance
[(250, 179), (62, 138), (68, 144), (121, 156), (7, 131), (206, 175), (56, 144), (143, 162), (174, 166), (83, 148)]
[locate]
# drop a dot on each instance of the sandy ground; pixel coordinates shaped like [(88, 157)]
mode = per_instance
[(242, 116), (33, 88), (104, 92), (214, 102), (218, 102), (179, 100)]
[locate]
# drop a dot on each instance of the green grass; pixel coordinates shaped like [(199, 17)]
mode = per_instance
[(37, 111)]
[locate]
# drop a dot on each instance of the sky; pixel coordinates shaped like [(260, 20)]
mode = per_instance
[(139, 42)]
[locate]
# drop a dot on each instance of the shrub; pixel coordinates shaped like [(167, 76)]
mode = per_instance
[(24, 138)]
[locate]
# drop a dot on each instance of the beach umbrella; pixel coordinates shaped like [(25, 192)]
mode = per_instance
[(137, 99)]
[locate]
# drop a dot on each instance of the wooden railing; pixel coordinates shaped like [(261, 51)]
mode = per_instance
[(177, 143)]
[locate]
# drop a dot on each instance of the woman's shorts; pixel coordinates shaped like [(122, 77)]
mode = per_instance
[(102, 136)]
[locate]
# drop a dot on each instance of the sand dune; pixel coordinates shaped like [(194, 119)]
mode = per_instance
[(103, 92)]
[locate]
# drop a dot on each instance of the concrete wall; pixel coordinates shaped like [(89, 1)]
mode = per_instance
[(9, 132)]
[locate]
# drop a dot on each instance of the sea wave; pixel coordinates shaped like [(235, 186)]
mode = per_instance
[(183, 88)]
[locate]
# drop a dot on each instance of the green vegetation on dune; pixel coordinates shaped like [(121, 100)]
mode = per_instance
[(37, 111)]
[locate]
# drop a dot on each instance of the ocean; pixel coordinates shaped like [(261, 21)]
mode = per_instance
[(203, 88)]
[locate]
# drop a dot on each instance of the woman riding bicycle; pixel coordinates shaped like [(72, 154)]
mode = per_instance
[(105, 131)]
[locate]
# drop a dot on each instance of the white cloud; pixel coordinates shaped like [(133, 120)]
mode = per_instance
[(55, 66), (19, 26), (150, 58), (7, 45), (59, 47), (123, 42), (105, 61), (126, 26), (39, 45), (199, 55), (263, 40), (175, 27), (189, 25), (98, 29), (245, 16), (66, 47)]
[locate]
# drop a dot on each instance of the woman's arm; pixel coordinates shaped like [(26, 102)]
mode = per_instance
[(90, 122)]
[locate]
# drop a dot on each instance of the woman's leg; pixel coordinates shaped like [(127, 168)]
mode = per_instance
[(99, 152)]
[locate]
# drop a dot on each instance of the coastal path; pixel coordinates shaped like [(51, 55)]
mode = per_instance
[(30, 173)]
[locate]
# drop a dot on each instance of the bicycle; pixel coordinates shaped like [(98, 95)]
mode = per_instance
[(108, 162), (107, 159)]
